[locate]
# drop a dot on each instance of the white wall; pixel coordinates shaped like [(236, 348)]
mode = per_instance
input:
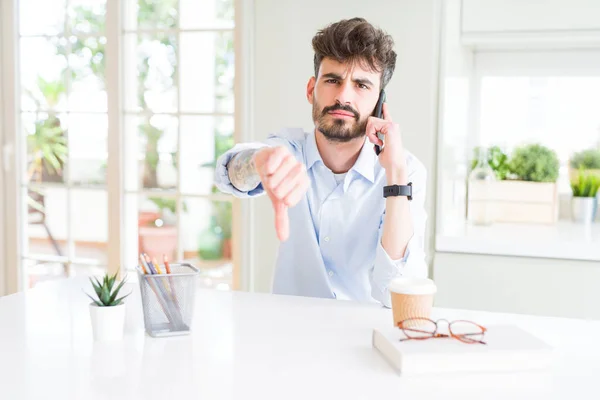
[(520, 16), (283, 64), (519, 285), (2, 189)]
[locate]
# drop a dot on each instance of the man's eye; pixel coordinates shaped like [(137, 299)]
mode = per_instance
[(362, 86), (331, 81)]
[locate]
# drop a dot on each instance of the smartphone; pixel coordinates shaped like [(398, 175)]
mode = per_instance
[(378, 113)]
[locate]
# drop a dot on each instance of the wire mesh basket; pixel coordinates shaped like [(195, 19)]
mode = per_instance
[(168, 300)]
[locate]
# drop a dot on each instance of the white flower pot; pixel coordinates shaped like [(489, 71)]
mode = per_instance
[(583, 209), (107, 322)]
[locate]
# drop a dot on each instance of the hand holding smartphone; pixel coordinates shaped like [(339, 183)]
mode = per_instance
[(378, 113)]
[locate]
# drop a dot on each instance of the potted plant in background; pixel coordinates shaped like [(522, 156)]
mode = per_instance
[(534, 194), (535, 163), (496, 158), (156, 228), (223, 210), (587, 161), (214, 243), (481, 181), (584, 204), (47, 148), (526, 190), (107, 312), (46, 156)]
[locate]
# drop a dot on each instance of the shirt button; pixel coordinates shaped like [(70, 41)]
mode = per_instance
[(330, 273), (327, 238)]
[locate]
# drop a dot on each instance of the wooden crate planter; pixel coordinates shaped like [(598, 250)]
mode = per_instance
[(516, 201)]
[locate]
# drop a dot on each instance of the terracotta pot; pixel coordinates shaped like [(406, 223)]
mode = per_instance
[(158, 241), (147, 217), (227, 249)]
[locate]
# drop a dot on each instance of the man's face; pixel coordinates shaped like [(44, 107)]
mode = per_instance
[(343, 96)]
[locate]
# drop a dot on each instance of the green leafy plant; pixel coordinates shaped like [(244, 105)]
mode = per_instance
[(213, 241), (586, 159), (535, 163), (52, 91), (166, 204), (585, 185), (47, 147), (47, 144), (497, 160), (222, 210), (107, 297)]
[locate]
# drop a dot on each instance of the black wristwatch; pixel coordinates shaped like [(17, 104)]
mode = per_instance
[(398, 190)]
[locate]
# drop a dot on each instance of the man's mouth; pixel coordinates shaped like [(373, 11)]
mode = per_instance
[(341, 114)]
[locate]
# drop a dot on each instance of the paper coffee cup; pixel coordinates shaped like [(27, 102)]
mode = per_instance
[(411, 298)]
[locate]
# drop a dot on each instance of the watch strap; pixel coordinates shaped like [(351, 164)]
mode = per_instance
[(398, 190)]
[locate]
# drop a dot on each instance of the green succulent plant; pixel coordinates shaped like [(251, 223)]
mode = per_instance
[(586, 159), (107, 297), (585, 185), (535, 163)]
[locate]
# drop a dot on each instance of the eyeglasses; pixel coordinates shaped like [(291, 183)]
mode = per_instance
[(424, 328)]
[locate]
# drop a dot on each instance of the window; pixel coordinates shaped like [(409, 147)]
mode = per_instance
[(550, 98), (179, 69), (177, 64), (63, 118), (509, 99)]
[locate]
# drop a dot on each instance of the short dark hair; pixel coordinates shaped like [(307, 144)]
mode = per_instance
[(356, 40)]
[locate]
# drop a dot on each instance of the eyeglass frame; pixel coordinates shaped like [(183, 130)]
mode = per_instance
[(435, 334)]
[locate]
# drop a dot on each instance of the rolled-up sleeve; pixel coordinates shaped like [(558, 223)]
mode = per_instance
[(413, 263), (222, 176)]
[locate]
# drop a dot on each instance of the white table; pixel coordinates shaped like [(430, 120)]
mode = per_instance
[(257, 346)]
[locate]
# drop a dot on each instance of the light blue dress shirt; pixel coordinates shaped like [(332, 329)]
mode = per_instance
[(334, 249)]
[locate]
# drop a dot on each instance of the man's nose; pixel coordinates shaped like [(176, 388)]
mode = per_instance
[(345, 94)]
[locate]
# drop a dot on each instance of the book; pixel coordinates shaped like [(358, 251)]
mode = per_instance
[(508, 348)]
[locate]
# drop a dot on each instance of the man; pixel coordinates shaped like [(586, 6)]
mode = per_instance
[(340, 237)]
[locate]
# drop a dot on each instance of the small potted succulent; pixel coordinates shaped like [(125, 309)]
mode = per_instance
[(108, 310), (584, 204)]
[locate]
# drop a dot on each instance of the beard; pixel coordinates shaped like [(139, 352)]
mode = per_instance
[(338, 129)]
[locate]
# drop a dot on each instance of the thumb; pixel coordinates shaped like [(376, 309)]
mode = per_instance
[(282, 222)]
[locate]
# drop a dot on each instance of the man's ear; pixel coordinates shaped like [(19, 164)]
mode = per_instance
[(310, 89)]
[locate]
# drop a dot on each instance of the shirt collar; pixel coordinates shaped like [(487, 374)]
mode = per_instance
[(364, 165), (312, 152)]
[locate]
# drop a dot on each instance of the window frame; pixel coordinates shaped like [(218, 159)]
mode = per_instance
[(12, 274), (12, 278)]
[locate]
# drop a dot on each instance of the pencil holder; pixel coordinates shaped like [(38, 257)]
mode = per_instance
[(168, 300)]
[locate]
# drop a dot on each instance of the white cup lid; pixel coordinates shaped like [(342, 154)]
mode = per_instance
[(406, 285)]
